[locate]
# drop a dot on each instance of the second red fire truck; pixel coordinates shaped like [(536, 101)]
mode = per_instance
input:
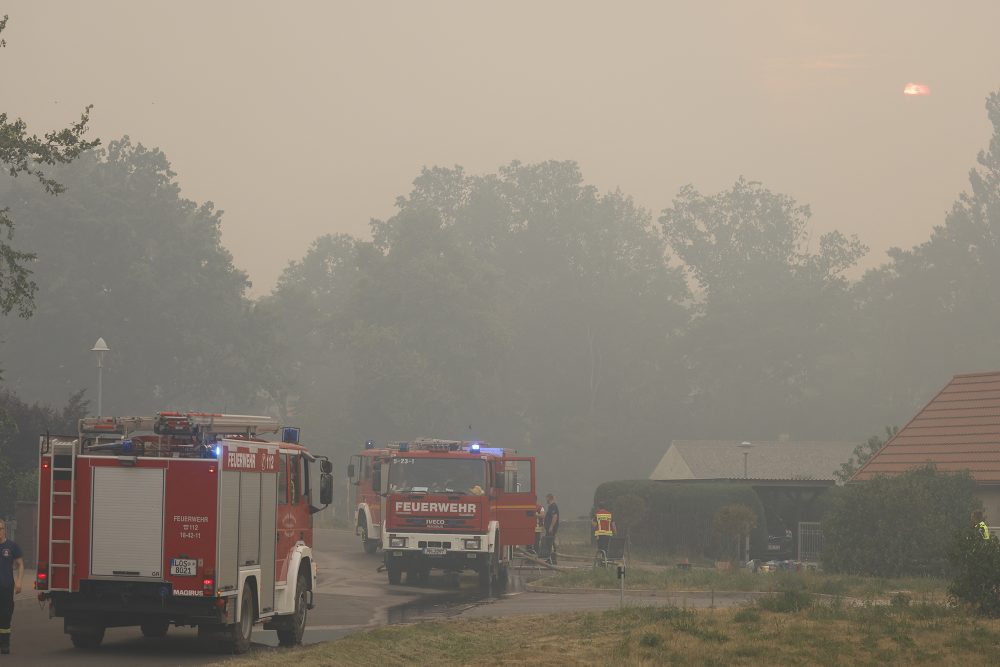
[(179, 519), (444, 504)]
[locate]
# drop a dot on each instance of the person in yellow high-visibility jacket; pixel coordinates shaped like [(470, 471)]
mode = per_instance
[(980, 522), (604, 528), (539, 527)]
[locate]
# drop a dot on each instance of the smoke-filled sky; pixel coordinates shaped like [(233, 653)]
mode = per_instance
[(306, 118)]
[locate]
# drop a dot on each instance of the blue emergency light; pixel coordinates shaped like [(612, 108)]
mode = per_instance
[(290, 434), (474, 448), (369, 444), (404, 446), (126, 446), (218, 451)]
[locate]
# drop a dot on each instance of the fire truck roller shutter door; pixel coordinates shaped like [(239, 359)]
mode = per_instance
[(229, 527), (127, 526), (268, 540), (249, 549)]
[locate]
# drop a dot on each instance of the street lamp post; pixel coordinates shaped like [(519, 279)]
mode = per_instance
[(100, 347), (745, 446)]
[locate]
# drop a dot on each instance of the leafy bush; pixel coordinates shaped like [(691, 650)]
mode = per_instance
[(897, 526), (679, 516), (786, 601), (977, 571)]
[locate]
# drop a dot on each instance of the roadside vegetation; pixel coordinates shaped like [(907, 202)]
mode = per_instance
[(787, 629), (706, 579)]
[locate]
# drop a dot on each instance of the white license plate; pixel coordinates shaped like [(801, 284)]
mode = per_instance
[(183, 567), (435, 551)]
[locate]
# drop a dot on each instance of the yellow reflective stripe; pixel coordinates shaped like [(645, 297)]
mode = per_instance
[(515, 507)]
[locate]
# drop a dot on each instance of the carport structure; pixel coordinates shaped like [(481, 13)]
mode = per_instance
[(788, 473)]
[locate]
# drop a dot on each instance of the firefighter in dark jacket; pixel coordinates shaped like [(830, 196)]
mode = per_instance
[(11, 559)]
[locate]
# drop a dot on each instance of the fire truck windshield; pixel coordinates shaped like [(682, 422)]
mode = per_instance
[(436, 475)]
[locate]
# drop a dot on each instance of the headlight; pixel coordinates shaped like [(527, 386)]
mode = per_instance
[(397, 542), (472, 545)]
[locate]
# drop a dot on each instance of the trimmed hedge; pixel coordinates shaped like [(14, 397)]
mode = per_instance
[(678, 515), (898, 526)]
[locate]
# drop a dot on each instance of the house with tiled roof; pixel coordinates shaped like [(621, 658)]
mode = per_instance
[(959, 429)]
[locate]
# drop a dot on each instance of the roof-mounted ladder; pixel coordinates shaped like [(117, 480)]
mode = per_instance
[(179, 423)]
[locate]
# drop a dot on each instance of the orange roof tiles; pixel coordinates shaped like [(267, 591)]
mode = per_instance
[(958, 430)]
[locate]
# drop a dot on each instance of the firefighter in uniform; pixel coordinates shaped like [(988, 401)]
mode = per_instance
[(551, 526), (604, 528), (10, 583)]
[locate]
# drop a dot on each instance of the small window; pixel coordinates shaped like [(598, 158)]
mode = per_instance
[(295, 484), (282, 480), (517, 477)]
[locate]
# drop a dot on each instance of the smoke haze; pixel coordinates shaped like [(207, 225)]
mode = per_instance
[(309, 118)]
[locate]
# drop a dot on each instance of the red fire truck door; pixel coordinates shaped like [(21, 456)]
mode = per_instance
[(516, 500)]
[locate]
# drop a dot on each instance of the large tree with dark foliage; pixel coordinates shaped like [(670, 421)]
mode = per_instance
[(124, 256), (523, 307), (934, 310), (772, 306)]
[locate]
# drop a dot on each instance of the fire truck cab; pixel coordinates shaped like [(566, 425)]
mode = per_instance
[(179, 519), (444, 504)]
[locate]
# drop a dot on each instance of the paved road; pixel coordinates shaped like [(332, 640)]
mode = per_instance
[(350, 595)]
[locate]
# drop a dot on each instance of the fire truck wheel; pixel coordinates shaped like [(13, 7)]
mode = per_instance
[(370, 546), (155, 628), (395, 573), (87, 639), (238, 634), (291, 631), (489, 572)]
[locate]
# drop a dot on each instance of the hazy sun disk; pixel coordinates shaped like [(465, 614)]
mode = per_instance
[(916, 89)]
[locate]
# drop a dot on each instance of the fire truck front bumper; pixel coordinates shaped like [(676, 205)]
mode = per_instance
[(445, 552)]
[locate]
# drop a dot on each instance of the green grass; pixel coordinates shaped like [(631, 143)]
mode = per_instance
[(707, 579), (748, 635)]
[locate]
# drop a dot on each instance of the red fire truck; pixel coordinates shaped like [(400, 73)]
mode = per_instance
[(182, 518), (448, 504)]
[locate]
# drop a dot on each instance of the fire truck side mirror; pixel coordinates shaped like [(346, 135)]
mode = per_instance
[(350, 471), (326, 488), (325, 466)]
